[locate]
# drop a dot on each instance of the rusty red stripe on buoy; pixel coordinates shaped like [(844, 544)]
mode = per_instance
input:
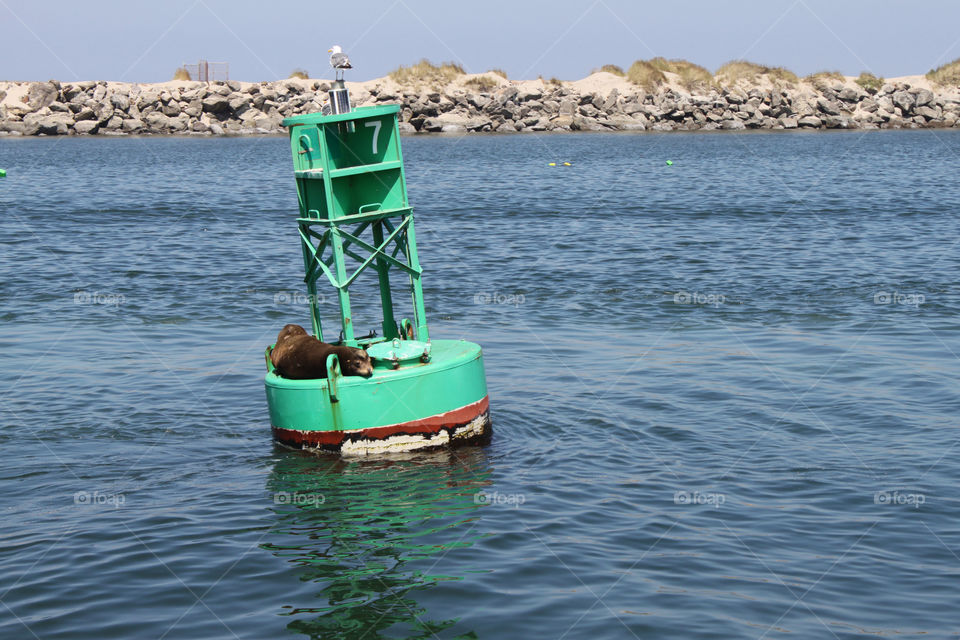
[(427, 427)]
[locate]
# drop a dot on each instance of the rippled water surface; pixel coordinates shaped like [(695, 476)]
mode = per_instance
[(724, 394)]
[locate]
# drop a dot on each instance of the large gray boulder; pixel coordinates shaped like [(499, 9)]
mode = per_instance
[(849, 94), (924, 97), (194, 109), (120, 100), (611, 102), (114, 124), (589, 110), (809, 121), (148, 97), (530, 93), (41, 94), (734, 124), (239, 103), (837, 122), (568, 107), (156, 121), (85, 113), (432, 125), (828, 107), (86, 127), (14, 127), (906, 101), (216, 103), (55, 124), (132, 125), (271, 123), (178, 124)]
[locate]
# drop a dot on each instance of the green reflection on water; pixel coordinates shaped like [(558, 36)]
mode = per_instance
[(370, 534)]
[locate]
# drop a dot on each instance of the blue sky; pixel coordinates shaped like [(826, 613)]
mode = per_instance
[(145, 41)]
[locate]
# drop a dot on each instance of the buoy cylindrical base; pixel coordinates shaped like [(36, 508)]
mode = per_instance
[(419, 406)]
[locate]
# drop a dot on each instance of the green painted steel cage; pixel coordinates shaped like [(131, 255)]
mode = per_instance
[(354, 215)]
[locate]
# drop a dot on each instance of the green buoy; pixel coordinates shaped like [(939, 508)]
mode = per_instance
[(355, 219), (3, 173)]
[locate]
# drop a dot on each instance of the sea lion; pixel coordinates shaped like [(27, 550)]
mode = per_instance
[(299, 356)]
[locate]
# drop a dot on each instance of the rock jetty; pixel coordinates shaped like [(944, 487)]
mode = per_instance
[(601, 102)]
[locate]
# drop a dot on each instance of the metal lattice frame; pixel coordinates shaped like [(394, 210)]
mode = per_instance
[(378, 235), (324, 254)]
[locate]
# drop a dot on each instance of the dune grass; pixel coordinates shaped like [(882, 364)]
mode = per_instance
[(300, 73), (947, 74), (610, 68), (869, 82), (499, 72), (743, 70), (691, 75), (821, 79), (181, 74), (427, 72), (643, 74), (650, 74), (482, 83), (554, 81)]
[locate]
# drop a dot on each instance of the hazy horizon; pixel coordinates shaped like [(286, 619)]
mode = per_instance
[(146, 43)]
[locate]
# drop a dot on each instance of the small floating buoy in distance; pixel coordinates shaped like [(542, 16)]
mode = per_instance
[(3, 173), (568, 164), (669, 163), (551, 164)]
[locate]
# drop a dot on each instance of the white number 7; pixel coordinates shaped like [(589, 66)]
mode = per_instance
[(376, 134)]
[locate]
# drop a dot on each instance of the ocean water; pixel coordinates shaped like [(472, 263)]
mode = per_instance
[(724, 394)]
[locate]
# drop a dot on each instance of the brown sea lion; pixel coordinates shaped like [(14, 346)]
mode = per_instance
[(299, 356)]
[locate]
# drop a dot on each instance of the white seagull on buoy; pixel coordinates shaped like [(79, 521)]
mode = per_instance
[(339, 61)]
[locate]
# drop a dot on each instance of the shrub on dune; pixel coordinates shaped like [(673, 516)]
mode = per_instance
[(947, 74), (745, 71), (427, 72), (869, 82), (691, 75), (610, 68), (643, 74)]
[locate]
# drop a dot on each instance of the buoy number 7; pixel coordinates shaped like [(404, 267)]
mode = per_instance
[(376, 134)]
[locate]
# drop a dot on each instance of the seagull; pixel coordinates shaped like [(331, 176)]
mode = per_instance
[(339, 61)]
